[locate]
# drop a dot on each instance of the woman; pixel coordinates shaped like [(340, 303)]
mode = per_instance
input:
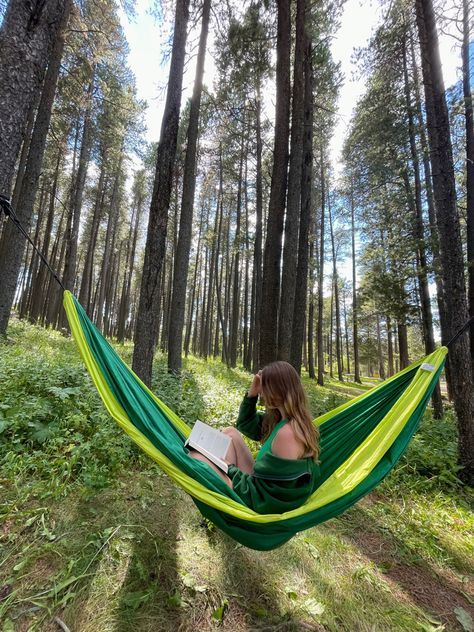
[(285, 470)]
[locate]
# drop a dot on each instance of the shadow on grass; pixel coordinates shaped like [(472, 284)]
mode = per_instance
[(403, 564), (249, 578), (150, 595), (114, 538)]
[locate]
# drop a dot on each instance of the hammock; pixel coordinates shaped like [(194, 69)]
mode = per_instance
[(361, 440)]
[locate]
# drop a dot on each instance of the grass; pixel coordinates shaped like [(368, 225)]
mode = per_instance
[(92, 533)]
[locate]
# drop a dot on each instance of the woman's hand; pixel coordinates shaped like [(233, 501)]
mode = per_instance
[(256, 386)]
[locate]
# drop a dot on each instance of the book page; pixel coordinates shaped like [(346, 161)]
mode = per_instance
[(210, 439)]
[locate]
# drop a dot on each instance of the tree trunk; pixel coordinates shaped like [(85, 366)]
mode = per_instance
[(148, 310), (403, 344), (469, 122), (38, 298), (218, 283), (355, 332), (235, 316), (97, 211), (293, 202), (27, 36), (33, 262), (187, 338), (451, 254), (391, 368), (301, 287), (276, 209), (336, 299), (181, 264), (331, 331), (105, 279), (416, 209), (77, 190), (379, 351), (319, 330), (257, 258)]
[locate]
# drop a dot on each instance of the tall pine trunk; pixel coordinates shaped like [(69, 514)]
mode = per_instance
[(355, 315), (27, 36), (276, 210), (146, 330), (181, 265), (469, 123), (319, 327), (77, 191), (301, 289), (416, 208), (293, 203), (451, 254)]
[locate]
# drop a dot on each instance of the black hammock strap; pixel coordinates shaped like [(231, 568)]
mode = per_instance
[(461, 331), (6, 207)]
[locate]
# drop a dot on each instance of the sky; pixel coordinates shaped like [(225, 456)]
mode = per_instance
[(359, 20)]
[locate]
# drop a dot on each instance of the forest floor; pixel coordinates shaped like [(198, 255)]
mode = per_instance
[(93, 536)]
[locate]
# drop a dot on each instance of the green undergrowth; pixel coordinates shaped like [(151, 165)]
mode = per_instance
[(93, 534)]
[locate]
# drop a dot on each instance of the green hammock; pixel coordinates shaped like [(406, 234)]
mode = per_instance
[(361, 440)]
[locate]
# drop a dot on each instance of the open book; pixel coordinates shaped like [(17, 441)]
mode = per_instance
[(210, 442)]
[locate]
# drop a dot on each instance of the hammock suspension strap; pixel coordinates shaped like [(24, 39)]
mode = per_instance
[(6, 207)]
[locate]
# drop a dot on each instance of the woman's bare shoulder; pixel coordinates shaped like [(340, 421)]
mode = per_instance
[(285, 445)]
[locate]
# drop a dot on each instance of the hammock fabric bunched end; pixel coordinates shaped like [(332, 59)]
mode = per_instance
[(361, 441)]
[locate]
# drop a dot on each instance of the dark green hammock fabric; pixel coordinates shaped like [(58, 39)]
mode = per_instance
[(341, 436)]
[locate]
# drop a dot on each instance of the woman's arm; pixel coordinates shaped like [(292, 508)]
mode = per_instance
[(249, 421)]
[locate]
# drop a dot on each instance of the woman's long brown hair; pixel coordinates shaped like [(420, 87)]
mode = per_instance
[(282, 388)]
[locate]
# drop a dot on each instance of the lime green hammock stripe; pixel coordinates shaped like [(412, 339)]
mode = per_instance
[(361, 440)]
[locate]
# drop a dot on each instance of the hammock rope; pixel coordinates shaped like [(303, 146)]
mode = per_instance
[(361, 440)]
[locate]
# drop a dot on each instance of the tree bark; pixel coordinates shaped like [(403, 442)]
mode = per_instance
[(336, 299), (319, 329), (27, 37), (234, 321), (293, 202), (301, 286), (276, 209), (451, 254), (181, 265), (257, 258), (355, 315), (469, 123), (147, 317), (77, 191), (97, 211)]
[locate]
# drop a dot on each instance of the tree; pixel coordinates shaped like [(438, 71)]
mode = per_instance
[(451, 255), (27, 35), (292, 220), (469, 123), (272, 252), (147, 317), (180, 272)]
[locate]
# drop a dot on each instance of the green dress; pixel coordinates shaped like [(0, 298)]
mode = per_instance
[(276, 485)]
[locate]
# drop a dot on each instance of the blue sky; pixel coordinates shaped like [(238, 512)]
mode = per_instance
[(147, 40)]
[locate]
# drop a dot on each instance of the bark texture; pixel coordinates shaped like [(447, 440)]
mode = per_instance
[(27, 37), (181, 264), (451, 255), (276, 209), (146, 330)]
